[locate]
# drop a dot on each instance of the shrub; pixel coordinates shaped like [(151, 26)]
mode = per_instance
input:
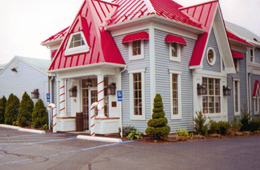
[(126, 129), (254, 125), (157, 126), (39, 115), (184, 133), (235, 124), (44, 127), (11, 111), (2, 109), (134, 134), (200, 124), (245, 118), (219, 127), (24, 117)]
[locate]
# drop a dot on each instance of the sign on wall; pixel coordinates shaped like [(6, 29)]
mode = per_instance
[(48, 97), (119, 95)]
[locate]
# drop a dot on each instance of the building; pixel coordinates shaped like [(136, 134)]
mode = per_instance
[(146, 47)]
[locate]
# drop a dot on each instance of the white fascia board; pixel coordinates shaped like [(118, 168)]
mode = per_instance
[(51, 43), (154, 18), (88, 66)]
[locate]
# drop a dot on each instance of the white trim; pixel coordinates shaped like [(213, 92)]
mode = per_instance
[(175, 58), (79, 49), (249, 55), (132, 116), (152, 67), (136, 57), (238, 96), (172, 71), (214, 56), (135, 70)]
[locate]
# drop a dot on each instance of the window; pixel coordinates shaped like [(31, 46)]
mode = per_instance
[(236, 88), (175, 86), (212, 100), (137, 97), (211, 56), (251, 55), (136, 50), (236, 62), (257, 104), (76, 44), (175, 52)]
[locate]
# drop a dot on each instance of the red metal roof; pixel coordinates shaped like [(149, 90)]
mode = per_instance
[(91, 20), (256, 87), (204, 14), (128, 10), (53, 53), (237, 55), (59, 35), (174, 39), (136, 36), (236, 38)]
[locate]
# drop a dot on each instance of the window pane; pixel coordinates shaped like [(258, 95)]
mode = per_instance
[(137, 85), (76, 41), (136, 47), (174, 49), (175, 93)]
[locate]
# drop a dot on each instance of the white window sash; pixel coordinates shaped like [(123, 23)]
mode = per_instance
[(178, 57), (238, 96), (136, 57)]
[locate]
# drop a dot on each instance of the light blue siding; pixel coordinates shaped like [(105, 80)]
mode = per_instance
[(162, 77), (253, 79), (141, 125), (243, 89), (26, 79), (212, 43), (257, 55)]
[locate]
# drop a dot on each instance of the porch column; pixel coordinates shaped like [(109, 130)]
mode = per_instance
[(100, 88), (62, 98)]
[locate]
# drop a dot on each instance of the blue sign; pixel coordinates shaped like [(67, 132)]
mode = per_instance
[(119, 95), (48, 97)]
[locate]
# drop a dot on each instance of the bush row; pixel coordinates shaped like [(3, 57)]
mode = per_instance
[(24, 113)]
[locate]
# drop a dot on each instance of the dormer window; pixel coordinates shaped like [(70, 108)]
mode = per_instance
[(251, 55), (76, 44), (136, 48), (175, 46)]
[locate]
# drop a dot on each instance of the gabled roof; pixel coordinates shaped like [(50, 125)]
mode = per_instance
[(40, 64), (57, 36), (129, 10), (91, 20), (236, 38)]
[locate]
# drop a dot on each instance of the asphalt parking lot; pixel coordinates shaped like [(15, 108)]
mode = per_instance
[(21, 150)]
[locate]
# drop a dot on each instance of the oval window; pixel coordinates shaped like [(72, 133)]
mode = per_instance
[(211, 56)]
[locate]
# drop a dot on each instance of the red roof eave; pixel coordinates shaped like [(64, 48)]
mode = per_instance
[(256, 86), (237, 55), (135, 37), (175, 39)]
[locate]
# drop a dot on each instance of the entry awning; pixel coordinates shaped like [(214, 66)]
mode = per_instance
[(237, 55), (136, 36), (256, 86), (174, 39)]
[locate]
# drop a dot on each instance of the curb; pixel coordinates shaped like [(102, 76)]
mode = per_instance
[(31, 130), (9, 126), (101, 139)]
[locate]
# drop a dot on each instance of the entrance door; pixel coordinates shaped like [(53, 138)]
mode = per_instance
[(85, 104), (93, 95)]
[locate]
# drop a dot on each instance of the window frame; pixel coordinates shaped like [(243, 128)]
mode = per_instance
[(257, 105), (136, 57), (251, 57), (175, 58), (237, 62), (79, 49), (131, 90), (178, 73), (236, 113), (214, 56)]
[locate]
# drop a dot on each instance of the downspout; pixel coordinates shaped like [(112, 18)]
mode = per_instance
[(249, 94), (121, 116)]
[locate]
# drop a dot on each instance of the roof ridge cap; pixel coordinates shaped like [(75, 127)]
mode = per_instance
[(149, 6)]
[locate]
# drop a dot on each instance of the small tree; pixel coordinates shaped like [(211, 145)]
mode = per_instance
[(200, 123), (39, 115), (11, 111), (2, 109), (24, 117), (157, 126)]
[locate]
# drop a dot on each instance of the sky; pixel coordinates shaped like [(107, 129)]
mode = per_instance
[(24, 24)]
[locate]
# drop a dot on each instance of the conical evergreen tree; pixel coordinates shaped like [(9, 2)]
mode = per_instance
[(24, 117), (12, 107), (2, 109), (39, 115), (157, 126)]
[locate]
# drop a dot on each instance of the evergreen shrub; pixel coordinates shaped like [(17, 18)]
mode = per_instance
[(2, 109), (39, 115), (157, 126), (200, 126), (245, 118), (24, 117), (254, 125), (219, 127), (12, 108)]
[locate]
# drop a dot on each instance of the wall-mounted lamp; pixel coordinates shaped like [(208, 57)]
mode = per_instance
[(14, 70), (226, 91), (201, 89), (73, 91), (35, 94), (111, 89)]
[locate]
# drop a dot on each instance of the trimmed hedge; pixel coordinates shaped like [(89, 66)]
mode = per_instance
[(24, 117), (2, 109), (39, 115), (219, 127), (12, 108)]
